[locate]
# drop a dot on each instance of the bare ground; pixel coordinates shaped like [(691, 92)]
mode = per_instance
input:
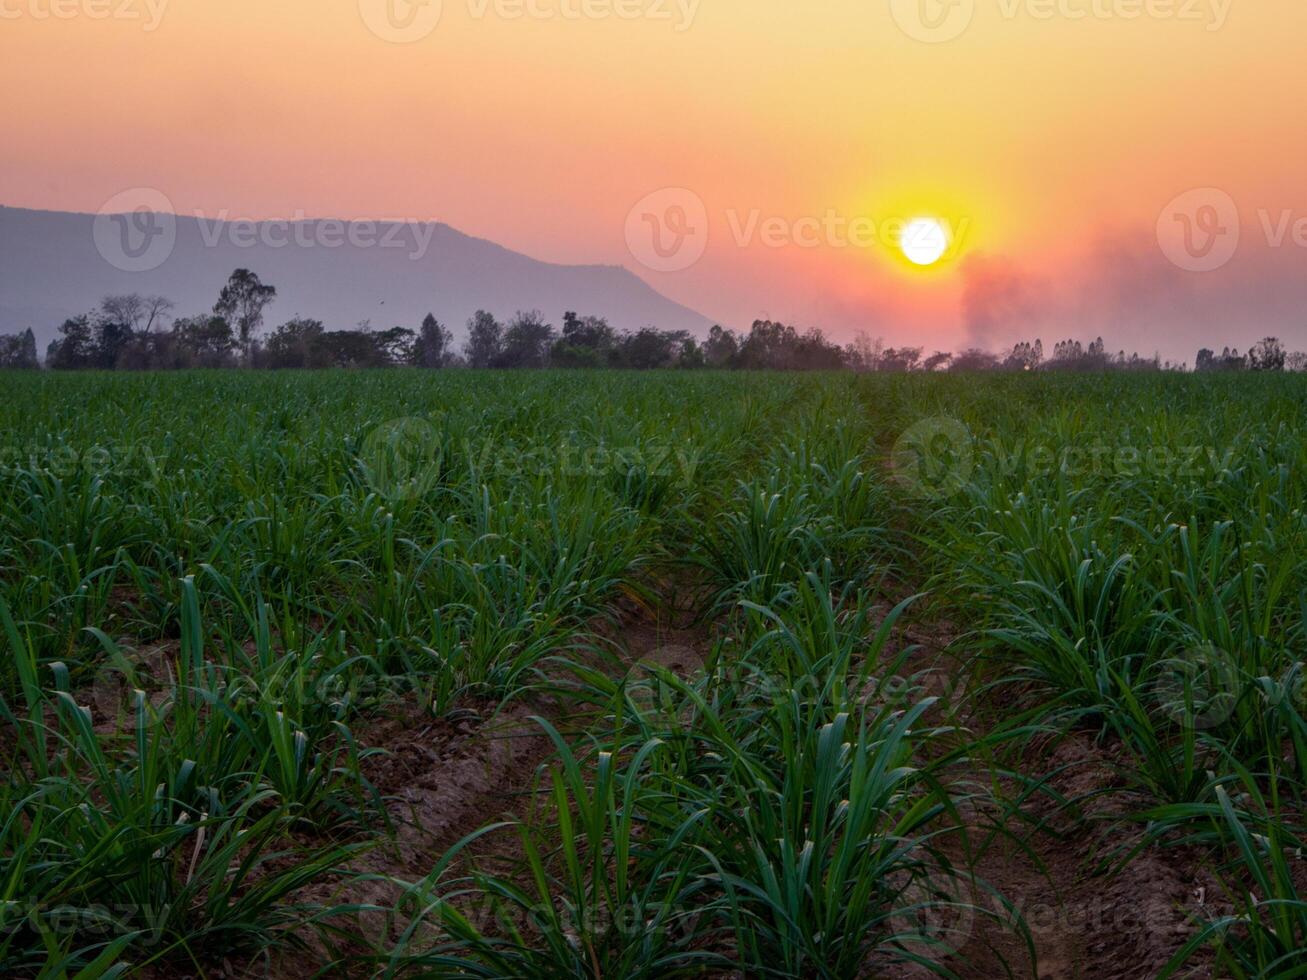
[(1039, 842)]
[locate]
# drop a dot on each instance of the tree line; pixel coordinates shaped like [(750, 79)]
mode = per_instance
[(135, 332)]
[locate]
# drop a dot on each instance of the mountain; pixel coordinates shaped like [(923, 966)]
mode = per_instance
[(54, 265)]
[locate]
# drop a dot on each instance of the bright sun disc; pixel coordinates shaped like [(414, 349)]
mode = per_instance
[(924, 241)]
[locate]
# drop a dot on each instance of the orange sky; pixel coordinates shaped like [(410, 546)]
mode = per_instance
[(1046, 127)]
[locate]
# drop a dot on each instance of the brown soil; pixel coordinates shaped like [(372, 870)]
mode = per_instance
[(1041, 852)]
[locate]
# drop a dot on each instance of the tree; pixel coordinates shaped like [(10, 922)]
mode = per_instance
[(721, 348), (203, 341), (587, 342), (588, 331), (1297, 361), (141, 313), (294, 344), (128, 310), (650, 348), (1267, 355), (76, 347), (527, 340), (1026, 356), (351, 349), (484, 340), (113, 337), (901, 360), (1232, 360), (1096, 357), (241, 304), (157, 308), (397, 346), (813, 352), (18, 351), (864, 353), (1067, 354), (766, 345), (433, 345), (691, 354)]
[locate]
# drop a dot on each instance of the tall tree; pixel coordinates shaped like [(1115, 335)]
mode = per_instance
[(27, 350), (141, 313), (484, 340), (432, 347), (242, 303)]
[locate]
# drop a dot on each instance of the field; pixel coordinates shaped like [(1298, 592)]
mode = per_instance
[(595, 674)]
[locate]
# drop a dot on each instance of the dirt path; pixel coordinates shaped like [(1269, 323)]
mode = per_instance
[(1038, 849)]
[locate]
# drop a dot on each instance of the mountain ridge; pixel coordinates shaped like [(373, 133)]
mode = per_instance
[(58, 264)]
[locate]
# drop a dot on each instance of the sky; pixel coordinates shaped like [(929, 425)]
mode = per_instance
[(1129, 168)]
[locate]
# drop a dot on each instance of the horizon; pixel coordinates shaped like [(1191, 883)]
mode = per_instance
[(261, 233)]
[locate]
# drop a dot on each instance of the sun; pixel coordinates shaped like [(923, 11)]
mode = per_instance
[(924, 241)]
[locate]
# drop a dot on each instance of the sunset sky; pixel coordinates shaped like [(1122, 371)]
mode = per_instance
[(1052, 134)]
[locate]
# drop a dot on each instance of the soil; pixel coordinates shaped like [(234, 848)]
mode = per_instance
[(1060, 916)]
